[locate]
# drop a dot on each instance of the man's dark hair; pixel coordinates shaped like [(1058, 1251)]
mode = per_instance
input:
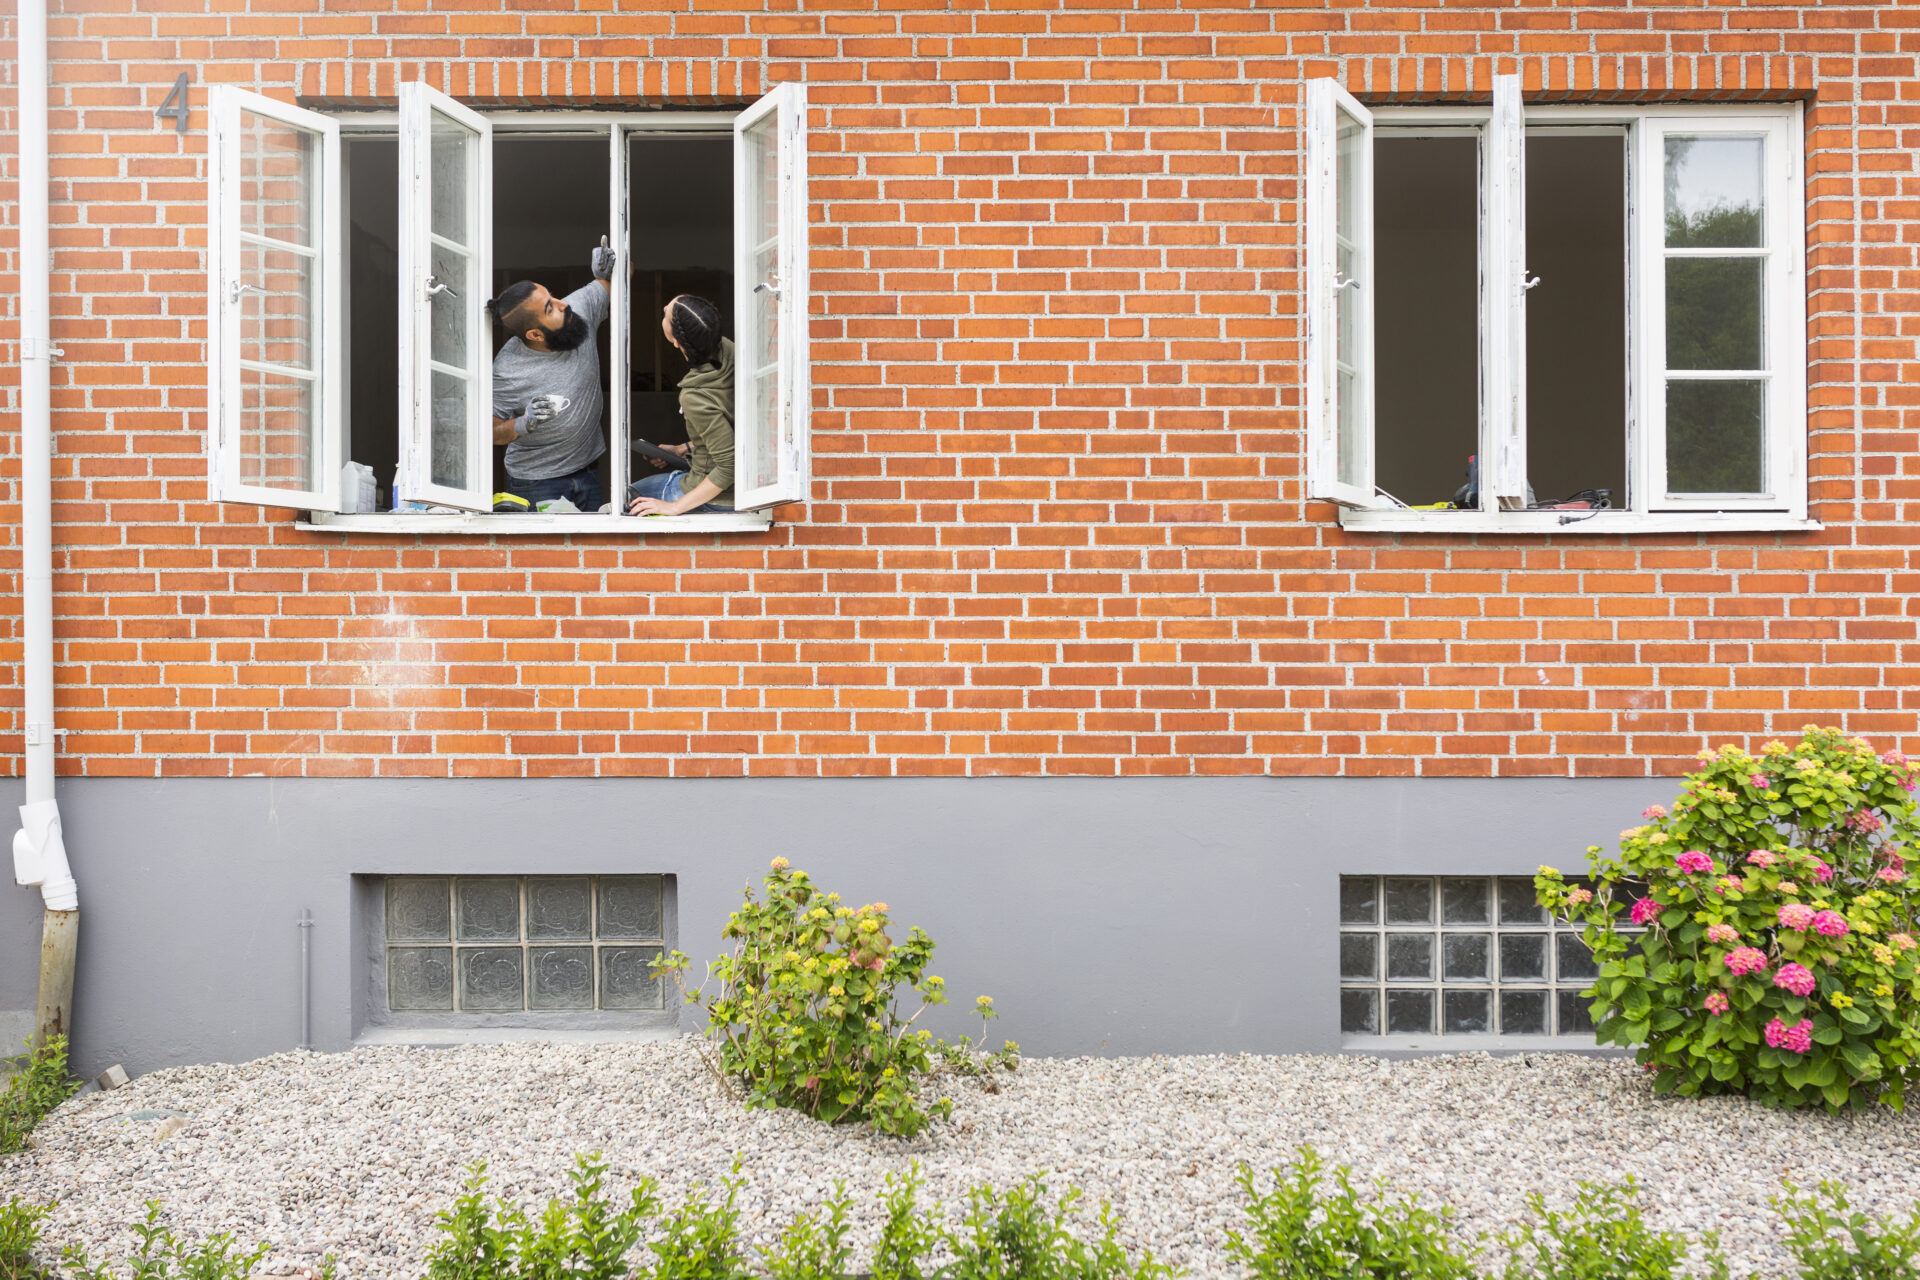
[(510, 310)]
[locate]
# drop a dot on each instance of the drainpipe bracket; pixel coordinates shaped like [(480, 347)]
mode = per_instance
[(39, 349)]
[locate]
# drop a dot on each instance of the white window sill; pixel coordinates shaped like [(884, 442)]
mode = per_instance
[(1476, 1044), (490, 523), (1600, 522)]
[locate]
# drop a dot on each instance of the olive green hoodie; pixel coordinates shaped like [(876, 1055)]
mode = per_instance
[(706, 402)]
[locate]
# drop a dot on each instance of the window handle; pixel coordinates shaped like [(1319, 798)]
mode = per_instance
[(1340, 282), (235, 289), (1528, 282), (764, 287), (435, 288)]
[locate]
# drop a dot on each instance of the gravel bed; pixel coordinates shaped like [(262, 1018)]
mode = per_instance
[(354, 1153)]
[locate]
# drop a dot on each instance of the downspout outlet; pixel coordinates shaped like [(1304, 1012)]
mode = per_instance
[(40, 856)]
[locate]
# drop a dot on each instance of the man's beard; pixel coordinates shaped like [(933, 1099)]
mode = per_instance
[(572, 332)]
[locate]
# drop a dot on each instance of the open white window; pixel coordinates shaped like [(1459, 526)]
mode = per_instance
[(274, 406), (1529, 318), (446, 353), (1339, 298), (772, 388)]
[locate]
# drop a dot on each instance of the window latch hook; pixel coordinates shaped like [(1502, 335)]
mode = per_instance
[(764, 287), (1340, 282), (435, 288), (1528, 282), (235, 288)]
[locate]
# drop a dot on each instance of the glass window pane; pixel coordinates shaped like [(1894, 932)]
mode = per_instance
[(276, 307), (486, 909), (1466, 1012), (450, 150), (449, 310), (418, 909), (1359, 900), (1715, 433), (279, 180), (1467, 957), (1409, 1013), (559, 908), (1410, 956), (1573, 960), (1523, 957), (1409, 900), (630, 908), (1523, 1013), (1360, 956), (1576, 1013), (447, 462), (1464, 901), (1350, 321), (491, 981), (1713, 314), (562, 978), (420, 978), (627, 981), (1360, 1012), (277, 428), (1518, 902), (1713, 191), (759, 361)]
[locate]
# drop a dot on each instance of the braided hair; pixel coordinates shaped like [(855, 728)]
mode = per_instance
[(695, 323)]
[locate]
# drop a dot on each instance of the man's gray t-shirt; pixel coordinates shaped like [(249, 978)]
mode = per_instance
[(571, 438)]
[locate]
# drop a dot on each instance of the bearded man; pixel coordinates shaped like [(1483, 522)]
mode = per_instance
[(547, 404)]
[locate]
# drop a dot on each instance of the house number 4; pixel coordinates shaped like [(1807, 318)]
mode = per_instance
[(175, 106)]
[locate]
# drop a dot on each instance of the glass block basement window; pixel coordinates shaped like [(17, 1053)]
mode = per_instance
[(512, 944), (1458, 956)]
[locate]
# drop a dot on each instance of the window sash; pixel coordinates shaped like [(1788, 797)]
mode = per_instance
[(772, 384), (1503, 303), (321, 422), (1339, 461), (1782, 303), (427, 248)]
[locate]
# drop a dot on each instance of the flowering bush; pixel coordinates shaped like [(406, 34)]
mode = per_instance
[(1778, 957), (805, 1014)]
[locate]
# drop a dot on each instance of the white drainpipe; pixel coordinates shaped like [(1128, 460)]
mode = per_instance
[(39, 852)]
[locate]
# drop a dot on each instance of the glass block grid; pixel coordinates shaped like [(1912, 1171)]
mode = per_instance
[(1458, 956), (513, 944)]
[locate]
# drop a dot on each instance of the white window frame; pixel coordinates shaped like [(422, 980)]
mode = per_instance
[(1503, 470), (419, 104), (321, 509), (225, 288)]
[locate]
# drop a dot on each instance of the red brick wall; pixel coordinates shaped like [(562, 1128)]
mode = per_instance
[(1057, 522)]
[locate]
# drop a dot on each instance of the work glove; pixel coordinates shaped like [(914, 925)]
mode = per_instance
[(541, 410), (603, 260)]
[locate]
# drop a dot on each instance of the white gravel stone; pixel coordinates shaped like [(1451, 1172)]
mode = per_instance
[(354, 1153)]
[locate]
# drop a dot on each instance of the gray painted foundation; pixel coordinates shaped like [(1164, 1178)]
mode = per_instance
[(1125, 916)]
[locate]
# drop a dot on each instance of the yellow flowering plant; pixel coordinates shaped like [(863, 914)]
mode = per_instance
[(1759, 938), (805, 1011)]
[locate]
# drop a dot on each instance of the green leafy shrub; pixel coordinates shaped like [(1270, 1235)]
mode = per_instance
[(39, 1084), (701, 1240), (161, 1256), (1778, 956), (1603, 1236), (1829, 1240), (19, 1233), (814, 1245), (910, 1235), (1019, 1236), (1296, 1231), (584, 1238), (805, 1013)]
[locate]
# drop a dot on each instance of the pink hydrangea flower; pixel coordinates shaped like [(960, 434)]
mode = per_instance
[(1580, 897), (1729, 883), (1760, 858), (1644, 910), (1904, 941), (1830, 924), (1759, 780), (1795, 1039), (1892, 757), (1797, 916), (1716, 1004), (1788, 886), (1796, 978), (1892, 875), (1722, 933), (1864, 820), (1654, 811), (1693, 862), (1744, 960), (1821, 871)]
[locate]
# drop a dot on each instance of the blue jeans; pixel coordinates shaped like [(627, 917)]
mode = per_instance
[(668, 486), (582, 488)]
